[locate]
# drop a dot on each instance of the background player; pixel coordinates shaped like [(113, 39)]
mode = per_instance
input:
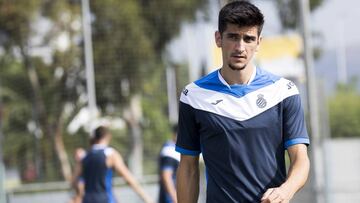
[(96, 170), (168, 164)]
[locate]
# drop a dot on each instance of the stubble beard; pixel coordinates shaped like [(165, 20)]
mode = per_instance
[(236, 68)]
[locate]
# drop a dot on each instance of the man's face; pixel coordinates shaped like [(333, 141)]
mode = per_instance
[(238, 45)]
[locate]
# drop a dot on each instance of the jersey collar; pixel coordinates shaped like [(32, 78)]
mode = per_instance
[(223, 81), (99, 146)]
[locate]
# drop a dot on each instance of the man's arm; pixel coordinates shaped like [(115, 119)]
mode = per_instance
[(166, 178), (77, 175), (297, 176), (187, 179), (122, 169)]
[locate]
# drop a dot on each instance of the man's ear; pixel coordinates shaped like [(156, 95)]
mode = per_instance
[(218, 39), (258, 43)]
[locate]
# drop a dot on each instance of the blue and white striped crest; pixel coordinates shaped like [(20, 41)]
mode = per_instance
[(261, 102)]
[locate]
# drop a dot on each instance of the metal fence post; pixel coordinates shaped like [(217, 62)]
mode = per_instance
[(313, 105)]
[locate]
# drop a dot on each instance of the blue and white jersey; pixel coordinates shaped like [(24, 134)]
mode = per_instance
[(97, 175), (169, 157), (242, 132), (168, 161)]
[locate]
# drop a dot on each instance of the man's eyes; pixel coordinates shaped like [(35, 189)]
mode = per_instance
[(247, 39), (233, 37)]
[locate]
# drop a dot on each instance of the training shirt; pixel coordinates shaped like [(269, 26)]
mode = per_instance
[(168, 160), (242, 132), (97, 176)]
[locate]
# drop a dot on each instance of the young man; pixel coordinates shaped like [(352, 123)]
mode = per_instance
[(168, 164), (96, 170), (242, 119)]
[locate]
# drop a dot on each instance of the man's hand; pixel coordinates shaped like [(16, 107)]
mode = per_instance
[(276, 195), (148, 199), (297, 176)]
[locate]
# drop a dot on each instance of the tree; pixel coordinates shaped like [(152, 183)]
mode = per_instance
[(48, 83), (43, 93), (129, 41), (344, 111)]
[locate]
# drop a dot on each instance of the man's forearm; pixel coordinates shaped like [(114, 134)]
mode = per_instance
[(166, 178), (187, 184), (298, 174), (299, 169), (136, 187), (121, 168)]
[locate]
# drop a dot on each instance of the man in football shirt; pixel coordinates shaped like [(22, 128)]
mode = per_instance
[(168, 164), (96, 170), (242, 119)]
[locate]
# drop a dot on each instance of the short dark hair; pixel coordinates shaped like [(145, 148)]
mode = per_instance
[(99, 133), (241, 13)]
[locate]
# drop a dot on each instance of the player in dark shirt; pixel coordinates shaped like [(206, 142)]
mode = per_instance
[(168, 164), (96, 170), (242, 119)]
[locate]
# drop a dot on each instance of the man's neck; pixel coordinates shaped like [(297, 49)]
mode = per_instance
[(101, 143), (241, 77)]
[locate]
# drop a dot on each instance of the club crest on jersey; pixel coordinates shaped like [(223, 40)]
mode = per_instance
[(185, 92), (261, 101)]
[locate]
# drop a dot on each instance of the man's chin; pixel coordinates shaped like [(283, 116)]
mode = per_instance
[(237, 67)]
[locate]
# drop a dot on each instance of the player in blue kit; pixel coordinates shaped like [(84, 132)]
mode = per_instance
[(168, 164), (96, 170), (242, 119)]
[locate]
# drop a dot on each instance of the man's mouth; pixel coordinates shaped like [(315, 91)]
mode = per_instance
[(238, 56)]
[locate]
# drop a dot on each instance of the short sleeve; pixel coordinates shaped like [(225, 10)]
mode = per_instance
[(294, 126), (188, 141)]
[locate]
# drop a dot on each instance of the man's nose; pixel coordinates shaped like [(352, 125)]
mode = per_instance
[(240, 45)]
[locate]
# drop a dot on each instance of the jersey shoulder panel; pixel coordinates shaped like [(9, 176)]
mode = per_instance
[(108, 151), (213, 82), (168, 150), (242, 108)]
